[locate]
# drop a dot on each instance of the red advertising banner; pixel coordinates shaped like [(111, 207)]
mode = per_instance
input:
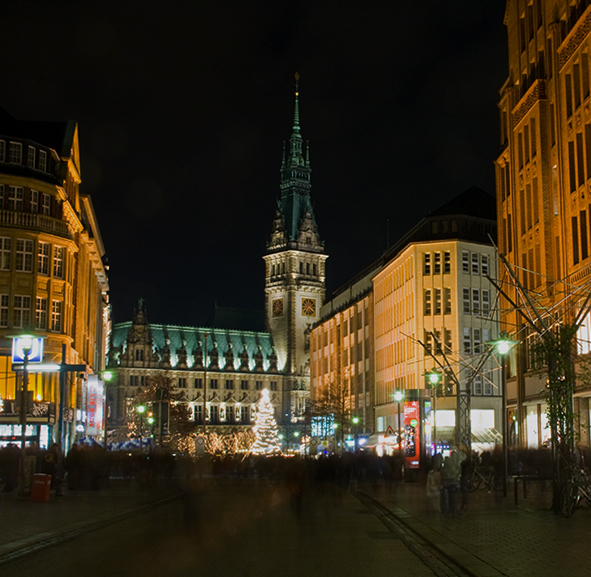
[(94, 406)]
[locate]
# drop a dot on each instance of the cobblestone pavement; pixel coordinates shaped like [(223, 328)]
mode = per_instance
[(492, 537), (495, 535), (26, 524)]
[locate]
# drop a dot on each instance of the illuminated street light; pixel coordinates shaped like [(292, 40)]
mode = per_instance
[(26, 349), (141, 409), (399, 397), (503, 346), (355, 421), (151, 421)]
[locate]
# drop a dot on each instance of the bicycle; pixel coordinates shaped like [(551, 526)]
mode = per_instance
[(574, 491), (482, 476)]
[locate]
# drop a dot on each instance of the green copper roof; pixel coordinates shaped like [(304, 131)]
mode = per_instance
[(193, 336)]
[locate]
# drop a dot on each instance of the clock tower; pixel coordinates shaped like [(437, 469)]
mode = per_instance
[(294, 270)]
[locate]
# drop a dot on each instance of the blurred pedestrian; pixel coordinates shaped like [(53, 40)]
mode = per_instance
[(451, 482), (434, 482)]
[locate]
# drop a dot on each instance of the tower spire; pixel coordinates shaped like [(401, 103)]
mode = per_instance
[(295, 142), (296, 114), (294, 205)]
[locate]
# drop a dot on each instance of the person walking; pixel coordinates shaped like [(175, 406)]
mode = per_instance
[(451, 482)]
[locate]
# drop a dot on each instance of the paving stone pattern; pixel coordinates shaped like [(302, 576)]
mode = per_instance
[(518, 541)]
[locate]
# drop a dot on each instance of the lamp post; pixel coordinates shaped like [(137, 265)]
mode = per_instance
[(399, 397), (151, 423), (433, 382), (141, 409), (26, 343), (502, 346), (335, 426), (355, 421), (205, 384)]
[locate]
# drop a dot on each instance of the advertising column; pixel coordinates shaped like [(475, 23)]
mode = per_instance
[(412, 434)]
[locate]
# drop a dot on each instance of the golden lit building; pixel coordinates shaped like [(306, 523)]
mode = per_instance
[(543, 183), (434, 311), (426, 303), (342, 360), (53, 282)]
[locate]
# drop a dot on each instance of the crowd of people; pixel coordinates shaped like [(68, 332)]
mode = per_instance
[(92, 467)]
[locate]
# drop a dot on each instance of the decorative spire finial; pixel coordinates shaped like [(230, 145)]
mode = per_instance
[(296, 117)]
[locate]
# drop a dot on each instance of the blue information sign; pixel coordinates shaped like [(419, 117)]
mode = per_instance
[(33, 344)]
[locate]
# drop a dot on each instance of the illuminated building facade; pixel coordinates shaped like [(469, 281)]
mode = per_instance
[(231, 367), (294, 272), (342, 359), (53, 282), (543, 182), (239, 364), (428, 296)]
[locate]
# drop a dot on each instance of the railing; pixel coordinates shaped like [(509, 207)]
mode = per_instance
[(40, 222)]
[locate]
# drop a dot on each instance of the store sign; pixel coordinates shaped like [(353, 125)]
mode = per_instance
[(34, 346)]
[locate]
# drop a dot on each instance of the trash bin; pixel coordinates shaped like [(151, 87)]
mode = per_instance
[(40, 487)]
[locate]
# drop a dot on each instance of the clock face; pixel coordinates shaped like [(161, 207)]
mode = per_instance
[(277, 307), (309, 307)]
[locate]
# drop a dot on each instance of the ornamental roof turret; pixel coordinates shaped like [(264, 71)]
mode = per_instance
[(294, 225), (140, 331)]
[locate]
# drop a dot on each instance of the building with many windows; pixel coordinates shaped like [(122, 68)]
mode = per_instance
[(216, 372), (543, 175), (426, 304), (53, 280), (219, 372), (342, 360)]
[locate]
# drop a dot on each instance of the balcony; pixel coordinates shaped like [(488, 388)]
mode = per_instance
[(535, 93), (37, 222)]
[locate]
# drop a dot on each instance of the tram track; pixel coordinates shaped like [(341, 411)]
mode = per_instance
[(432, 555)]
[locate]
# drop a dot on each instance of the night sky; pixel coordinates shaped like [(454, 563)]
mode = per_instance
[(183, 108)]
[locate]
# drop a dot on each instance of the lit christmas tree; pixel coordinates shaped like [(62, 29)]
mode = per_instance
[(265, 428)]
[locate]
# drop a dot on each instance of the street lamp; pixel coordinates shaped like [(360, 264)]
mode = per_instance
[(204, 385), (503, 346), (335, 426), (280, 437), (141, 409), (151, 423), (399, 397), (26, 343), (355, 421), (433, 382)]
